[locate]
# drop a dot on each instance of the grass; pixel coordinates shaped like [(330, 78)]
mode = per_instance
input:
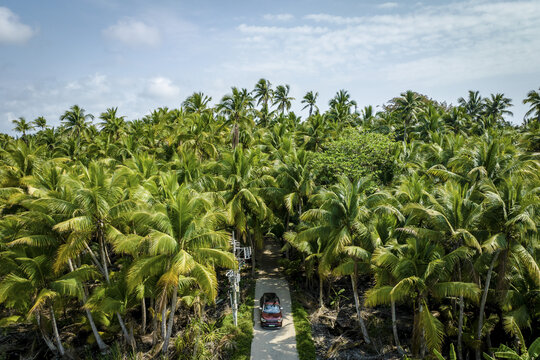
[(243, 334), (304, 340)]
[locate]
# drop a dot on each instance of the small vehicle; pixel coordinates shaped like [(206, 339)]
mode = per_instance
[(270, 307)]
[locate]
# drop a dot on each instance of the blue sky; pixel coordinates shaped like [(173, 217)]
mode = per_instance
[(139, 55)]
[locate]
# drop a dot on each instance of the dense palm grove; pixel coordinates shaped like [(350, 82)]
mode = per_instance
[(125, 225)]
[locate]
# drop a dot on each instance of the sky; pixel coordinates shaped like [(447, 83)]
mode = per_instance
[(140, 55)]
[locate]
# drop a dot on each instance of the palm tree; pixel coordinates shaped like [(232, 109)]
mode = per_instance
[(33, 286), (533, 98), (242, 186), (112, 124), (75, 121), (310, 99), (340, 106), (22, 126), (345, 217), (408, 108), (90, 219), (183, 247), (282, 98), (453, 217), (473, 105), (496, 106), (419, 269), (196, 103), (40, 122), (510, 208), (314, 132), (237, 107)]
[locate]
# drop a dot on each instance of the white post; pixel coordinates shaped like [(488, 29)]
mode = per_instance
[(234, 285)]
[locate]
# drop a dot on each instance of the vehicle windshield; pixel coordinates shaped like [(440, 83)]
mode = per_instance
[(271, 308)]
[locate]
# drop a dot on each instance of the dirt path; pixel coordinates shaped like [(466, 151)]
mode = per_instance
[(275, 343)]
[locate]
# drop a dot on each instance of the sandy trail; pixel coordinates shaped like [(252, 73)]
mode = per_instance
[(273, 343)]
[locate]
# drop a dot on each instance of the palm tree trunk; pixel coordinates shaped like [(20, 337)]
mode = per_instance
[(155, 325), (460, 321), (321, 302), (235, 135), (55, 331), (394, 328), (253, 253), (103, 257), (171, 321), (357, 305), (102, 346), (129, 339), (45, 337), (164, 321), (99, 341), (417, 330), (483, 305), (143, 312)]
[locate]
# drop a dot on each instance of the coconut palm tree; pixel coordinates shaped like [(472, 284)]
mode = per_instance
[(473, 105), (533, 98), (419, 269), (40, 122), (90, 216), (22, 126), (112, 125), (408, 107), (242, 185), (183, 246), (310, 99), (75, 121), (345, 216), (282, 98), (509, 218), (340, 107), (452, 215), (197, 103), (496, 106), (237, 107)]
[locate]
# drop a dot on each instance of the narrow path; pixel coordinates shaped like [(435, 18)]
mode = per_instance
[(270, 344)]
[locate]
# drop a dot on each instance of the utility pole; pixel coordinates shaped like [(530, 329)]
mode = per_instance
[(241, 254)]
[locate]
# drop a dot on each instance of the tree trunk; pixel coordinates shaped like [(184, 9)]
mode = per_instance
[(394, 328), (164, 321), (253, 253), (417, 330), (171, 321), (357, 305), (483, 305), (321, 302), (143, 312), (460, 321), (129, 339), (155, 325), (103, 258), (235, 136), (44, 335), (102, 346), (55, 331)]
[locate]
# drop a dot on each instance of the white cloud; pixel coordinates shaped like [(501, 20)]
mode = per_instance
[(480, 38), (276, 30), (333, 19), (388, 5), (12, 31), (278, 17), (133, 33), (162, 88), (134, 97)]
